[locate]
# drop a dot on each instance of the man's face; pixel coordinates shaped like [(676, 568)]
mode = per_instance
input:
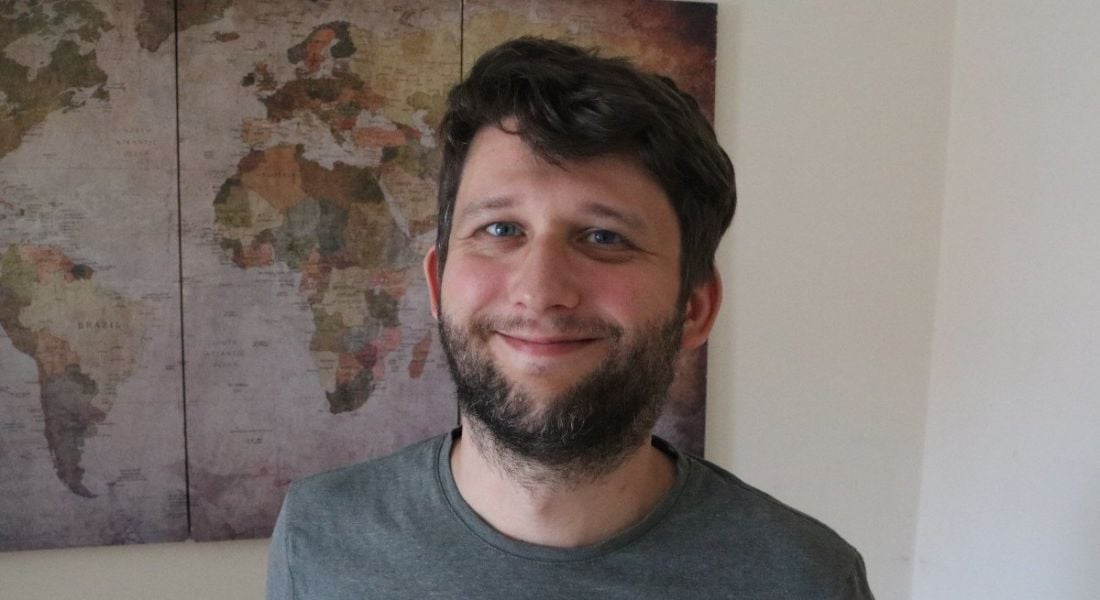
[(559, 296)]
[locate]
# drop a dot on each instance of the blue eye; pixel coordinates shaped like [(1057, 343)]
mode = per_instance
[(604, 237), (502, 229)]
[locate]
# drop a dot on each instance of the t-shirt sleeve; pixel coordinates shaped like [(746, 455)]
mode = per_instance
[(279, 582), (858, 588)]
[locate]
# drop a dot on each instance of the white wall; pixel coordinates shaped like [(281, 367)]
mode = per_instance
[(185, 571), (836, 116), (1010, 507)]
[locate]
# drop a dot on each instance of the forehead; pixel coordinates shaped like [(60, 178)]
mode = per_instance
[(501, 171)]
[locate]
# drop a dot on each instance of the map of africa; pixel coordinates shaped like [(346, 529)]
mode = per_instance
[(210, 266)]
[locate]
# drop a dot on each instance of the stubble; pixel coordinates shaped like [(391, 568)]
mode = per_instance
[(581, 433)]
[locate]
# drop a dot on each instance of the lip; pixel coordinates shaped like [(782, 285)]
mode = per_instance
[(536, 345)]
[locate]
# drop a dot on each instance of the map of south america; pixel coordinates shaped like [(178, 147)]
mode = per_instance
[(84, 340)]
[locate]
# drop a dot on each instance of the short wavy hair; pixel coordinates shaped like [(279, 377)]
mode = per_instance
[(567, 104)]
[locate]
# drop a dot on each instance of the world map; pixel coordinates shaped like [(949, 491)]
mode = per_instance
[(211, 227)]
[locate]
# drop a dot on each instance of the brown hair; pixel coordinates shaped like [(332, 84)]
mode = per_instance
[(568, 103)]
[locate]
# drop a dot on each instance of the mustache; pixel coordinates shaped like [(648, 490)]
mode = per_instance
[(566, 325)]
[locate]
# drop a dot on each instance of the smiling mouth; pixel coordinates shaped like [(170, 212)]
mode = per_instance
[(546, 346)]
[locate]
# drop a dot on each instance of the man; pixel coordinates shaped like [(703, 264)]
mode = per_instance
[(581, 203)]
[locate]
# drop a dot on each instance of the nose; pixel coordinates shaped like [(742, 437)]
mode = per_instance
[(544, 278)]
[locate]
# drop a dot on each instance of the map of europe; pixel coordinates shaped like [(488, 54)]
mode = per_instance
[(212, 218)]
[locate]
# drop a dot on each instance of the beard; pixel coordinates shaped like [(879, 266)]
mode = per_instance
[(581, 433)]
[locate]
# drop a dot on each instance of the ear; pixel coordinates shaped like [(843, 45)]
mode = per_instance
[(700, 311), (431, 274)]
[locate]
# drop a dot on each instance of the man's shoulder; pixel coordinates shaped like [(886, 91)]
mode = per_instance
[(753, 526), (749, 507), (404, 473)]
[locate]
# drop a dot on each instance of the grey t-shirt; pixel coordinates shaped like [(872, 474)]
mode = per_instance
[(397, 527)]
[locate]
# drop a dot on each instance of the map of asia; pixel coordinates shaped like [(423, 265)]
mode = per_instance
[(212, 218)]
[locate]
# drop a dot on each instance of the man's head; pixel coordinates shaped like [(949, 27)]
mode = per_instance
[(567, 103), (580, 205)]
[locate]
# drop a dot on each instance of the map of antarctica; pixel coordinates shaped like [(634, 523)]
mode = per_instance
[(212, 220)]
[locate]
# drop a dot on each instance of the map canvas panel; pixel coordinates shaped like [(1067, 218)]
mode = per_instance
[(91, 423), (309, 160)]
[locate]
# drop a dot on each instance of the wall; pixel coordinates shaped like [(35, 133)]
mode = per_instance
[(836, 116), (1010, 507), (186, 571)]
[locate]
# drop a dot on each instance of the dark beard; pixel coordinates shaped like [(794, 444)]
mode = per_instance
[(584, 432)]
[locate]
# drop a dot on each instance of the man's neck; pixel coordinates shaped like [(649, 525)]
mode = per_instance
[(553, 512)]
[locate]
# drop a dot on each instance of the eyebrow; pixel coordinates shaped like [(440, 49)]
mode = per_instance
[(487, 205), (603, 210)]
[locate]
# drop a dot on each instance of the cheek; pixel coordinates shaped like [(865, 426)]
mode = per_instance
[(467, 285), (632, 297)]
